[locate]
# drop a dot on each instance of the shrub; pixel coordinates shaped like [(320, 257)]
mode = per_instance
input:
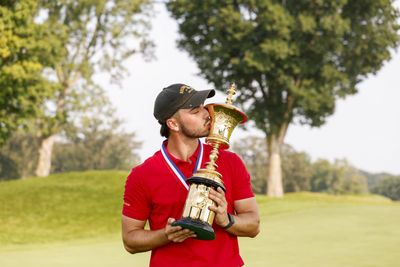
[(389, 187)]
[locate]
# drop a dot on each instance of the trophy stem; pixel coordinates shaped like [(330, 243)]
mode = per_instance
[(211, 165)]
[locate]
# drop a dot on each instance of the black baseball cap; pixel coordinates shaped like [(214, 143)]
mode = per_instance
[(178, 96)]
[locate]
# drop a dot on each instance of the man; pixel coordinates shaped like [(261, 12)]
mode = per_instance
[(156, 190)]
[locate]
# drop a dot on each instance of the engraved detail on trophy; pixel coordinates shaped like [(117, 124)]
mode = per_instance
[(196, 214)]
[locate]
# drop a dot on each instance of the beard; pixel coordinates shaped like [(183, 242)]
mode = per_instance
[(194, 133), (198, 133)]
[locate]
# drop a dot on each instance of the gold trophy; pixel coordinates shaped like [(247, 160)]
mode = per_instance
[(196, 215)]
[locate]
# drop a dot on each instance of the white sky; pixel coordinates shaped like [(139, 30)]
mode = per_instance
[(365, 128)]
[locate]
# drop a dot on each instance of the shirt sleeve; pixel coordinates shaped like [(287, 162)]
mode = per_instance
[(136, 200), (242, 188)]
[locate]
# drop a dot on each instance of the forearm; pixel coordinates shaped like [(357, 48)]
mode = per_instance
[(247, 219), (141, 240), (246, 224)]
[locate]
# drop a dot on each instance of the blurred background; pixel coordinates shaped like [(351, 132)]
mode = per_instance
[(318, 80)]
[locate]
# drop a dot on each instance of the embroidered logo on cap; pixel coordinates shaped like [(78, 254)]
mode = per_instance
[(185, 88)]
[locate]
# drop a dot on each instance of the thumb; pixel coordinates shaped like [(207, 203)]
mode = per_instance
[(170, 220)]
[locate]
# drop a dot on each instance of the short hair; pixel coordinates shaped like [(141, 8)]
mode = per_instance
[(164, 130)]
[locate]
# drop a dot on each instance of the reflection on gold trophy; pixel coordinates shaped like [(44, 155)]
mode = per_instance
[(196, 214)]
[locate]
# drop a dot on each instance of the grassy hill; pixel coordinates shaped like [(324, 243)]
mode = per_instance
[(61, 207), (79, 214)]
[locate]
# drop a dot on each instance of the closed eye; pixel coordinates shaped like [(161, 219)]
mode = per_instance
[(194, 110)]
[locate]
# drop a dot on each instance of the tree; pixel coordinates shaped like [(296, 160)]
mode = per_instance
[(389, 187), (96, 146), (299, 174), (24, 52), (18, 156), (290, 59), (252, 150), (296, 171), (8, 168), (97, 141), (297, 168), (322, 177), (373, 179), (337, 178), (350, 180), (97, 36)]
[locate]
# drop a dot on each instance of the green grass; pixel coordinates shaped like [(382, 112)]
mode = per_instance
[(74, 220), (60, 207), (100, 252), (320, 230)]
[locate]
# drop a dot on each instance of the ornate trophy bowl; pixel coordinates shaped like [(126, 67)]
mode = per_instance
[(196, 215)]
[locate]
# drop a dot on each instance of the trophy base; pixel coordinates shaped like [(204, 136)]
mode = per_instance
[(202, 230)]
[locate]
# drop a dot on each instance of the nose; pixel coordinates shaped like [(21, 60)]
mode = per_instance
[(205, 111)]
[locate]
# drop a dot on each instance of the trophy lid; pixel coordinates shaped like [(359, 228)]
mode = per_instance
[(228, 104)]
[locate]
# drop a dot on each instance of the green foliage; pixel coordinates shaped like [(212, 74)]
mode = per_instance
[(97, 36), (50, 51), (8, 168), (61, 207), (24, 53), (297, 170), (352, 181), (98, 143), (299, 173), (337, 178), (96, 147), (374, 178), (296, 166), (388, 187), (18, 156), (290, 60), (322, 177), (253, 153)]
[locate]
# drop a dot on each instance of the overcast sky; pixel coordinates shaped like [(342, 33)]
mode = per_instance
[(365, 128)]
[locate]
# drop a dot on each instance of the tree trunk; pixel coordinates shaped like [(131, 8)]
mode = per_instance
[(274, 174), (44, 161)]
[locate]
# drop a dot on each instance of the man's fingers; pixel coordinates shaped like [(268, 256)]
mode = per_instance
[(173, 229), (177, 234), (221, 191), (219, 200), (218, 193), (183, 237), (217, 209)]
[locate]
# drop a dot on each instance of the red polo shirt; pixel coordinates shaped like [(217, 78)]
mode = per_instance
[(153, 192)]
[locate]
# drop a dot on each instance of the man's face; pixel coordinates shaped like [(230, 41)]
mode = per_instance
[(194, 123)]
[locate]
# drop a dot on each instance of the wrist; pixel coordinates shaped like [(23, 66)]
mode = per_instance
[(165, 235), (231, 221)]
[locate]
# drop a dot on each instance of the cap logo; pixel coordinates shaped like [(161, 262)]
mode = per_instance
[(185, 88)]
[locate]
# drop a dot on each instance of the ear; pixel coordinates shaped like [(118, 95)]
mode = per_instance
[(172, 124)]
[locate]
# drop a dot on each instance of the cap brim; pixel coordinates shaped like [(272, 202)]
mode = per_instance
[(198, 98)]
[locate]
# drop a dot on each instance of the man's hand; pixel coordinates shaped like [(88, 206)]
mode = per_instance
[(177, 233), (221, 214)]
